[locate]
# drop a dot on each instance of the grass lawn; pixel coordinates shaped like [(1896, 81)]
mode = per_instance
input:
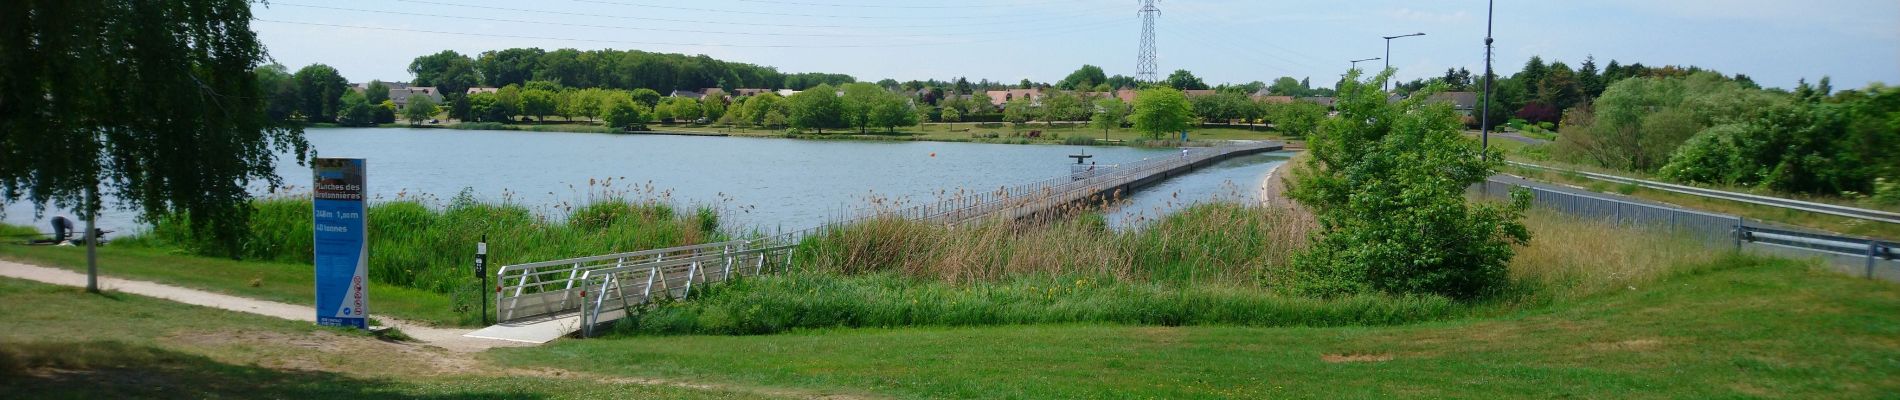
[(1749, 328), (60, 342), (286, 283)]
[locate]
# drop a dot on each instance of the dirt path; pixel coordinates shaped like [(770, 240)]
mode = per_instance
[(447, 338)]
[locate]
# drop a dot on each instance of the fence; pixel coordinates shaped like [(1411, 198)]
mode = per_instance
[(1715, 228)]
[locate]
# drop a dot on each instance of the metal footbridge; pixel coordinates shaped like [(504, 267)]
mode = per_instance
[(542, 301)]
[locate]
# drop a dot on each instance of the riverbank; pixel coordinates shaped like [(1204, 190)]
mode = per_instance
[(973, 132)]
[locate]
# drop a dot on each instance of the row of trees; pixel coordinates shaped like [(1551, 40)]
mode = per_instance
[(1706, 128), (607, 69)]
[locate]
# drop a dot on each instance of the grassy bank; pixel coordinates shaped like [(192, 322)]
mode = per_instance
[(1207, 265), (432, 248), (1725, 328), (70, 344)]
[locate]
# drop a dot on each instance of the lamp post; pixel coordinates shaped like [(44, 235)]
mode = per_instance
[(1388, 52), (1355, 63), (1484, 122)]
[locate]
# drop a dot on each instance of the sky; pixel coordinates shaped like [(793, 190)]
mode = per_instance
[(1777, 42)]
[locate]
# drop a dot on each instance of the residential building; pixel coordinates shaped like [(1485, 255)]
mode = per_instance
[(687, 94), (1000, 97), (1463, 102), (474, 90), (401, 96)]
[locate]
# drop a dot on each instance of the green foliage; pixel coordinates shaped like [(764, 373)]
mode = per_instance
[(451, 72), (1181, 79), (420, 109), (1110, 113), (815, 300), (1387, 182), (320, 89), (646, 97), (816, 109), (1639, 122), (1816, 147), (355, 111), (156, 104), (1018, 111), (1064, 106), (1162, 111), (417, 246), (538, 103), (1296, 119), (1084, 78), (624, 113)]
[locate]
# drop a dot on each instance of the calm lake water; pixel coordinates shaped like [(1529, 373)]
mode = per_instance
[(766, 183)]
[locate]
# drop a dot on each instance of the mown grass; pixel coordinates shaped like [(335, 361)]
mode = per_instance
[(1210, 264), (1735, 327), (1830, 223), (280, 282), (69, 344)]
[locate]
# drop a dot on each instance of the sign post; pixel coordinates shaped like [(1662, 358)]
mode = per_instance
[(481, 271), (342, 245)]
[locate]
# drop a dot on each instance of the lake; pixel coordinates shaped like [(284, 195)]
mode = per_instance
[(759, 182)]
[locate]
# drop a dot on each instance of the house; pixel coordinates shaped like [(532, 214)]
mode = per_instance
[(1463, 102), (1198, 93), (750, 92), (1324, 101), (687, 94), (787, 92), (401, 96), (1273, 99), (360, 87), (474, 90), (712, 93), (1000, 97)]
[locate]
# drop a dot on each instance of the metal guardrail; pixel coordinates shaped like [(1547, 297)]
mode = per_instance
[(1823, 208), (1712, 227)]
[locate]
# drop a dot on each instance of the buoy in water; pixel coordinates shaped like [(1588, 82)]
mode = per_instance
[(933, 154)]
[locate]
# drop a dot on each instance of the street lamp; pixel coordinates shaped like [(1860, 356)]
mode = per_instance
[(1355, 63), (1388, 51)]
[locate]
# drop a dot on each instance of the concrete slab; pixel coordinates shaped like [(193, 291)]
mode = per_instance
[(540, 330)]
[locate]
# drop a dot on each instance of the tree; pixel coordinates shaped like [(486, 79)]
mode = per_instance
[(510, 66), (622, 112), (355, 111), (891, 111), (1387, 184), (1018, 111), (152, 103), (320, 87), (1083, 78), (1589, 80), (950, 114), (1287, 86), (420, 109), (646, 97), (486, 107), (1162, 111), (1297, 119), (1457, 80), (1181, 79), (538, 102), (384, 112), (376, 92), (1064, 106), (448, 71), (980, 105), (508, 104), (816, 109), (755, 108), (1110, 113), (859, 100)]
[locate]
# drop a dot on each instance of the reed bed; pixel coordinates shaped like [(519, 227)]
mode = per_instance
[(1209, 264)]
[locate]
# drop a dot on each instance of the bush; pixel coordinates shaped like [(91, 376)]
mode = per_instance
[(1387, 182)]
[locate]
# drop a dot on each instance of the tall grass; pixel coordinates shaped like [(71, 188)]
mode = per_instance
[(431, 248), (1207, 264)]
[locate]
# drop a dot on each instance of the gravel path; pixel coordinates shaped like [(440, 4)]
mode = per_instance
[(447, 338)]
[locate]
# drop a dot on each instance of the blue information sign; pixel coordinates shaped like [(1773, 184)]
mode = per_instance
[(342, 246)]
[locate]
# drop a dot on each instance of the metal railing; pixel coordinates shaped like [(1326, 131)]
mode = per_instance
[(618, 282), (1808, 206), (1711, 227)]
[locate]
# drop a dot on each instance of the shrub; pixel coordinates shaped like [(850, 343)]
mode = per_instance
[(1387, 182)]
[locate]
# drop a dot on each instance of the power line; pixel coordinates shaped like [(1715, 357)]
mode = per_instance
[(1020, 4), (768, 13), (632, 42), (688, 21), (649, 29), (1145, 67)]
